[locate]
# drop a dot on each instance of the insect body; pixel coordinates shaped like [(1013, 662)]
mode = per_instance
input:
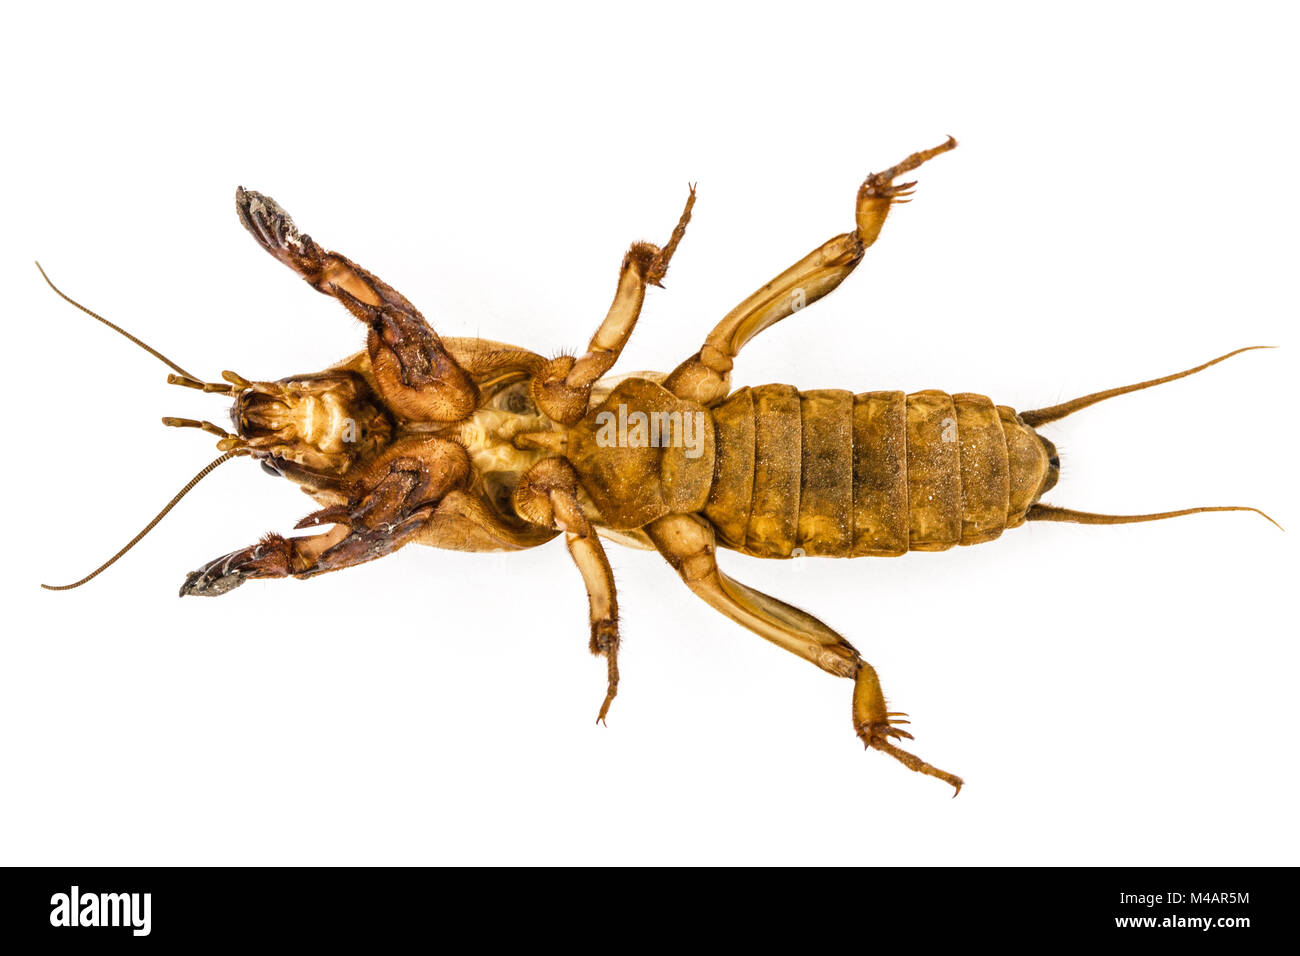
[(472, 445)]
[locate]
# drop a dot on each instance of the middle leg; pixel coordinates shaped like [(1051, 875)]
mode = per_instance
[(562, 388), (547, 495)]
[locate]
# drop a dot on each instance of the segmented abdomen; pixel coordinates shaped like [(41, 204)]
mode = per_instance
[(831, 473)]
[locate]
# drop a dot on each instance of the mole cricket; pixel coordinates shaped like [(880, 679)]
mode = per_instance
[(468, 444)]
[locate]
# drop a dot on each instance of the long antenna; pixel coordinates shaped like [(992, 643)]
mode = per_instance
[(116, 328), (147, 528)]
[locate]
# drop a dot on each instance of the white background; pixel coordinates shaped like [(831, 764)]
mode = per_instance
[(1123, 205)]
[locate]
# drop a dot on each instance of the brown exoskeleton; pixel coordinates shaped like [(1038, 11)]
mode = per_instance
[(472, 445)]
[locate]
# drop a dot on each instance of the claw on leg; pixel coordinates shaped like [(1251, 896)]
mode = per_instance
[(875, 726), (887, 728), (882, 183), (879, 192)]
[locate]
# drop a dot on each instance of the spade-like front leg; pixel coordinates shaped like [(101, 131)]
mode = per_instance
[(547, 495), (415, 373), (388, 507), (706, 376), (687, 543), (563, 386)]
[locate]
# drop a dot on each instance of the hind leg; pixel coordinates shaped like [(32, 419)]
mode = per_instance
[(687, 543), (706, 376)]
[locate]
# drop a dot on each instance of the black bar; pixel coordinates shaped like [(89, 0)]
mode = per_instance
[(655, 907)]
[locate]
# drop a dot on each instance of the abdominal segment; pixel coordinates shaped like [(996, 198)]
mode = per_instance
[(832, 473)]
